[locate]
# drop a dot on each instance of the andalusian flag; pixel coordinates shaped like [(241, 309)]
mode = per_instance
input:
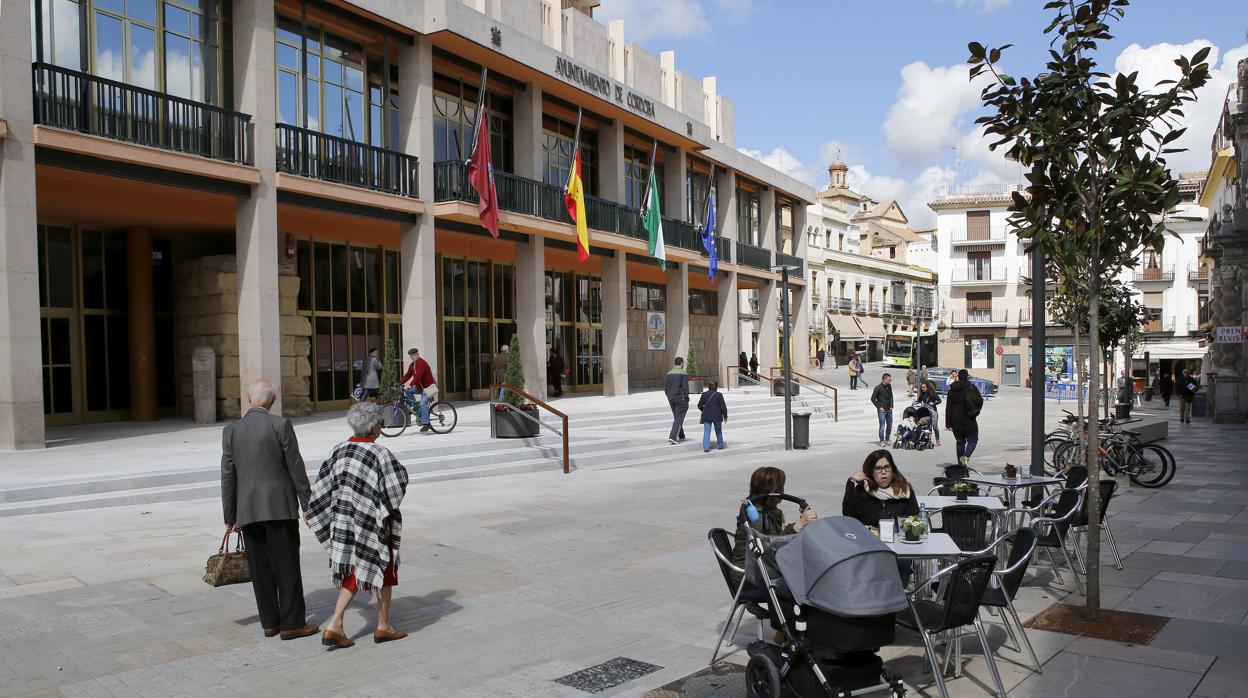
[(574, 196), (652, 218)]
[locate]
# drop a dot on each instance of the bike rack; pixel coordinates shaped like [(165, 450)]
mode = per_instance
[(494, 403)]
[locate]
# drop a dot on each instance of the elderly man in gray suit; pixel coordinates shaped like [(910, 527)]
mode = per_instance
[(263, 487)]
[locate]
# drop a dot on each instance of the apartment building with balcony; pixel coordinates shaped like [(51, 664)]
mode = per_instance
[(862, 280), (984, 289), (282, 181)]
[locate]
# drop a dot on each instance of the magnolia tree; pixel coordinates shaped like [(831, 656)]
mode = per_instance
[(1098, 185)]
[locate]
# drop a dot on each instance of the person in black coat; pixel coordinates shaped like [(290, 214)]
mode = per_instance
[(882, 398), (878, 492), (962, 406), (754, 364), (1166, 386), (714, 413), (554, 373)]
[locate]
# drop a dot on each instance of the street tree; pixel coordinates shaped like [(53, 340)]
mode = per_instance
[(1098, 186)]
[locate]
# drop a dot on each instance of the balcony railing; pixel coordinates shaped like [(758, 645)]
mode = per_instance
[(842, 304), (751, 256), (1024, 317), (896, 309), (1205, 313), (1154, 274), (530, 197), (924, 311), (790, 260), (1159, 325), (1200, 273), (86, 103), (989, 316), (317, 155), (978, 274), (978, 234)]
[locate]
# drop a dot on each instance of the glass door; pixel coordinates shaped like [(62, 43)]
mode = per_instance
[(476, 309)]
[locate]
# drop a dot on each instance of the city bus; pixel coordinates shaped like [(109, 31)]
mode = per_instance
[(901, 349)]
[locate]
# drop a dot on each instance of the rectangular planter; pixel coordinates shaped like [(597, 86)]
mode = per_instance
[(508, 424)]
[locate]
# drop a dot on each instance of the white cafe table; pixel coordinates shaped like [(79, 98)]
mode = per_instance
[(1011, 484), (935, 545), (936, 502)]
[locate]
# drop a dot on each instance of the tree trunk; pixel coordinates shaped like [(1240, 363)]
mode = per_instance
[(1093, 577)]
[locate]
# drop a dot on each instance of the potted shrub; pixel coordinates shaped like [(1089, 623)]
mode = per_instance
[(913, 528), (696, 383), (508, 423), (962, 490)]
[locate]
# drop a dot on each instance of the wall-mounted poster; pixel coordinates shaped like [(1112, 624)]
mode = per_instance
[(979, 353), (656, 331)]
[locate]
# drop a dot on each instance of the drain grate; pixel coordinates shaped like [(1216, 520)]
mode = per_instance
[(609, 674)]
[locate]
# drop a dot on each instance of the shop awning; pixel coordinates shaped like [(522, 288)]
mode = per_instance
[(1171, 350), (845, 325), (873, 327)]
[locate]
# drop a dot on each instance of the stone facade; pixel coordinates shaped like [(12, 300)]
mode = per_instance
[(206, 296), (646, 368)]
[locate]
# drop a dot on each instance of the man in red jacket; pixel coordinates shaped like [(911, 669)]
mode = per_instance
[(419, 377)]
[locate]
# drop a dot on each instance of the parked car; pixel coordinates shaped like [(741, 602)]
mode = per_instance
[(940, 376)]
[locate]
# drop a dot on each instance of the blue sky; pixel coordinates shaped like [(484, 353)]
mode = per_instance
[(883, 81)]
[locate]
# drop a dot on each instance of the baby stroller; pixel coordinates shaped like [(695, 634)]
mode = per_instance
[(834, 590), (915, 429)]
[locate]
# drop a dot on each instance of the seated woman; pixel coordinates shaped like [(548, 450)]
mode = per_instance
[(880, 492), (765, 480)]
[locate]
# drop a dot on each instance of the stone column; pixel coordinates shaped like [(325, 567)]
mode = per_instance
[(418, 273), (259, 326), (677, 312), (768, 222), (674, 204), (527, 132), (768, 338), (531, 314), (611, 161), (801, 239), (799, 316), (726, 205), (728, 328), (615, 324), (142, 319), (21, 378)]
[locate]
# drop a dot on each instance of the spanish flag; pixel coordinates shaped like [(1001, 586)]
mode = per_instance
[(574, 200)]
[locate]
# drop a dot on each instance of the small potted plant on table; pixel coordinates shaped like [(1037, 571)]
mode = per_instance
[(962, 490), (913, 528), (508, 423)]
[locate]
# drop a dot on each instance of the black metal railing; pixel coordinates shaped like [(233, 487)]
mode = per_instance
[(790, 260), (317, 155), (683, 235), (979, 316), (845, 304), (78, 101), (751, 256)]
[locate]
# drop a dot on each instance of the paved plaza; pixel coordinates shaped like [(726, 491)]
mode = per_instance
[(510, 582)]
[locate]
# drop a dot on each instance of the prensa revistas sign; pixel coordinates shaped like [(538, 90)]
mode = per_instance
[(606, 87)]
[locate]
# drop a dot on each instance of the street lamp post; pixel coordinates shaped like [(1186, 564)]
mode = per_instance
[(784, 270)]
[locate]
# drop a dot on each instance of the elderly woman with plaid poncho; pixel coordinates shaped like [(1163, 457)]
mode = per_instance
[(354, 512)]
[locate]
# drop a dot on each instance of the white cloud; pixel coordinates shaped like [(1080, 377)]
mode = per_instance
[(930, 113), (645, 20), (814, 173), (1156, 63)]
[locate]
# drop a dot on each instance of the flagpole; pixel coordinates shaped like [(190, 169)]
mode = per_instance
[(480, 105), (576, 138), (710, 181)]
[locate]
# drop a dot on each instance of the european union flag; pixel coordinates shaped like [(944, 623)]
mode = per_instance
[(708, 236)]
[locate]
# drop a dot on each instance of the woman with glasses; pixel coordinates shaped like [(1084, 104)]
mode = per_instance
[(878, 491)]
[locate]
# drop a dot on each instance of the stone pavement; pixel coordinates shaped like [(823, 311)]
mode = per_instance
[(510, 582)]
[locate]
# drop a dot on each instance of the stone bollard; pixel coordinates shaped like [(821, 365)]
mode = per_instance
[(204, 384)]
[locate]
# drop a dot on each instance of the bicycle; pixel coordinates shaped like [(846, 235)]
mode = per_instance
[(1122, 453), (397, 415)]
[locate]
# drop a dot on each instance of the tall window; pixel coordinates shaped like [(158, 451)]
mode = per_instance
[(636, 171), (557, 149), (454, 119), (646, 296), (698, 186), (747, 216)]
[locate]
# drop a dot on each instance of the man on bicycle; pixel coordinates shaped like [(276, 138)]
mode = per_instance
[(418, 378)]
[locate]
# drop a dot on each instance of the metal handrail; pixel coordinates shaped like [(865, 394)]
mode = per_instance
[(496, 386), (747, 374), (836, 400)]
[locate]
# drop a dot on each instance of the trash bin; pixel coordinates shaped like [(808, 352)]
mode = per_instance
[(1199, 402), (1122, 410), (801, 430)]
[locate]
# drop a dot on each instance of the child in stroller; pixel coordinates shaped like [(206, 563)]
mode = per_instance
[(915, 430), (832, 625)]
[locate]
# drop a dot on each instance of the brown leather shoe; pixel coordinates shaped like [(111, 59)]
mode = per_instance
[(335, 640), (271, 632), (309, 629), (388, 635)]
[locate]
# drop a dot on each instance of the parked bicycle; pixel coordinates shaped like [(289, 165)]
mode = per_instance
[(398, 414), (1119, 453)]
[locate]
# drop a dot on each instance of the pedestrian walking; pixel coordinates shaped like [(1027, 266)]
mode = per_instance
[(862, 372), (354, 512), (882, 398), (820, 356), (743, 363), (676, 388), (923, 377), (962, 406), (370, 373), (754, 366), (499, 367), (951, 379), (854, 370), (263, 488), (554, 372), (910, 381), (1166, 386), (714, 413), (1189, 384), (930, 396)]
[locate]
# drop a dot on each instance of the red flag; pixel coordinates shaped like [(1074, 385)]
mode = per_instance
[(481, 175)]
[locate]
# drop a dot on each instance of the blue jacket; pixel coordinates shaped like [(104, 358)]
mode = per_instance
[(676, 386), (713, 407)]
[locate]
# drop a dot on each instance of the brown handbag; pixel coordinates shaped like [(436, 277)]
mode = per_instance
[(228, 568)]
